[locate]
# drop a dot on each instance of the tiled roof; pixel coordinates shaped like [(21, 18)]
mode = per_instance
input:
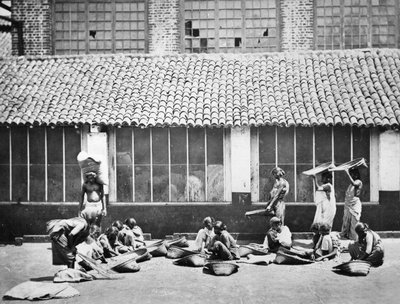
[(352, 87)]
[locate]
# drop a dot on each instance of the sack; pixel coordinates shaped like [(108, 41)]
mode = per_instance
[(93, 163)]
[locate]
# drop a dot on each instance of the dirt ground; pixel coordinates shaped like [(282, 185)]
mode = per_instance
[(159, 281)]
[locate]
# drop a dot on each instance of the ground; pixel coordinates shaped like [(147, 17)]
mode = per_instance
[(159, 281)]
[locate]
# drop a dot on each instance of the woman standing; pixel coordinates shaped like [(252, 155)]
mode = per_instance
[(325, 200)]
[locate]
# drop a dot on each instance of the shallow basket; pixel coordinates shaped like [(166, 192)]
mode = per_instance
[(222, 268), (179, 242), (354, 268), (245, 250), (288, 259), (127, 266), (158, 251), (178, 252), (193, 260)]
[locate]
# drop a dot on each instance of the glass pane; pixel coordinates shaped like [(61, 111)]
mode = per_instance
[(304, 146), (323, 145), (160, 183), (37, 183), (215, 150), (304, 184), (142, 184), (4, 164), (72, 144), (160, 145), (19, 146), (124, 183), (19, 183), (4, 146), (196, 146), (361, 146), (142, 146), (5, 183), (37, 145), (54, 146), (196, 183), (342, 144), (178, 145), (178, 183), (267, 145), (55, 183), (72, 183), (215, 183), (266, 182), (285, 146), (123, 141)]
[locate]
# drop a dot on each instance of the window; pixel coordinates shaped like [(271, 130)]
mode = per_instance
[(231, 26), (170, 165), (95, 26), (298, 149), (348, 24), (41, 167)]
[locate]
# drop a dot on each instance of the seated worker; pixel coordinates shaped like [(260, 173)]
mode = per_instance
[(125, 238), (223, 245), (91, 248), (277, 236), (137, 232), (109, 242), (205, 235), (95, 207), (327, 246), (315, 230), (65, 235), (369, 246)]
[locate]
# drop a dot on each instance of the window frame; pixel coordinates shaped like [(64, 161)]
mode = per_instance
[(373, 164), (226, 171)]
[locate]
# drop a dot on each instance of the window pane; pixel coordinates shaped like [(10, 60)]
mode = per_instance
[(196, 146), (54, 146), (178, 183), (142, 146), (266, 182), (304, 146), (267, 145), (323, 145), (215, 151), (19, 164), (72, 145), (285, 146), (178, 145), (160, 183), (55, 183), (37, 146), (215, 183), (142, 184), (72, 170), (124, 146), (160, 145), (196, 183), (124, 183), (37, 183), (361, 144), (342, 144), (4, 164), (304, 184)]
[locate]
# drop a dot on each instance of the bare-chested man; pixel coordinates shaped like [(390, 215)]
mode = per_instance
[(95, 207)]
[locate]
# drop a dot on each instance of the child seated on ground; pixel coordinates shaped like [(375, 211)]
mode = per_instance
[(205, 235), (125, 238), (137, 232), (223, 245), (91, 248), (110, 244), (278, 236), (328, 245)]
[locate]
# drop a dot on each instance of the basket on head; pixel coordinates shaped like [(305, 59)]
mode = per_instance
[(222, 268), (179, 242), (354, 268), (284, 258), (245, 250), (178, 252), (193, 260), (158, 251)]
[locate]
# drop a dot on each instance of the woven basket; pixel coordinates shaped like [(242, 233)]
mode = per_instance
[(354, 268), (193, 260), (288, 259), (180, 242), (178, 252), (245, 250), (127, 266), (158, 251), (222, 268)]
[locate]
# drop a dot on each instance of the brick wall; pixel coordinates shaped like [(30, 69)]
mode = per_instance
[(164, 26), (36, 18), (297, 25)]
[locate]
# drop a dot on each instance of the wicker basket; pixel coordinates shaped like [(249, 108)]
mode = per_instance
[(158, 251), (178, 252), (180, 242), (222, 268), (193, 260), (354, 268), (283, 258)]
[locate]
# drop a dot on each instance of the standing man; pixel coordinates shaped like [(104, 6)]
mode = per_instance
[(95, 207)]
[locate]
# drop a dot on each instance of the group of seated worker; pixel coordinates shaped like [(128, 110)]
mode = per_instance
[(117, 239)]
